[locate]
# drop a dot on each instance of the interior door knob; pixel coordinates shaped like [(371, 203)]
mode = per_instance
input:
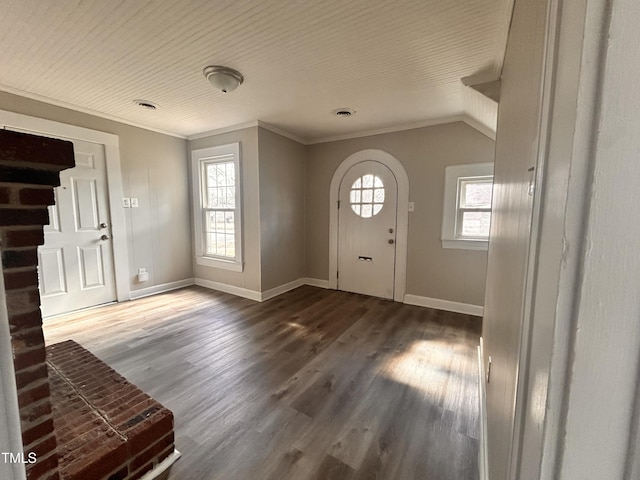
[(103, 225), (391, 241), (105, 237)]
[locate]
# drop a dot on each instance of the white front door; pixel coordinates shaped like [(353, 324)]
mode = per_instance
[(75, 264), (367, 230)]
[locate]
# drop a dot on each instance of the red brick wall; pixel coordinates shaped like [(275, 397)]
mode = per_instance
[(29, 169)]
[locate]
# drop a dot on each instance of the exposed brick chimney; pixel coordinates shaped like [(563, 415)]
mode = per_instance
[(29, 170)]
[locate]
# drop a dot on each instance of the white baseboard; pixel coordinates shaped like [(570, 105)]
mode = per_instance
[(483, 459), (274, 292), (232, 289), (161, 471), (316, 282), (165, 287), (447, 305), (261, 296)]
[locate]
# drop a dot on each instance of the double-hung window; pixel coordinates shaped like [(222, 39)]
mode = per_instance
[(217, 202), (467, 206)]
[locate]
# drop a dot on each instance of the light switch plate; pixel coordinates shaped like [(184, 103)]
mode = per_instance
[(134, 202), (126, 202), (412, 206)]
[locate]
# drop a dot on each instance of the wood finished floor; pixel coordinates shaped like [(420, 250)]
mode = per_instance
[(313, 384)]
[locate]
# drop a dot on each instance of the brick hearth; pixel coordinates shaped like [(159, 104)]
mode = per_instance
[(106, 427)]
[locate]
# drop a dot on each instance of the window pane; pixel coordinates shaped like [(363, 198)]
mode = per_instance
[(476, 194), (367, 181), (230, 245), (379, 195), (211, 244), (475, 224), (367, 196), (366, 211), (377, 208), (231, 197)]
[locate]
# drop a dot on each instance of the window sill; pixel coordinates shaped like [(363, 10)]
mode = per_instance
[(465, 244), (221, 264)]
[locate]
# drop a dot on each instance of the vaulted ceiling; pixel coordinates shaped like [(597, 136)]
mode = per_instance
[(397, 63)]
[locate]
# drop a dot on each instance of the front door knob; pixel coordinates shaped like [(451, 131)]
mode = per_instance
[(105, 237), (391, 242)]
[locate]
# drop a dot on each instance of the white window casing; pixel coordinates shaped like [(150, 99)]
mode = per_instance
[(217, 206), (457, 178)]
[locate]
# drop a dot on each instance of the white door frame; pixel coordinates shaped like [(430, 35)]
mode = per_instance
[(114, 181), (402, 227)]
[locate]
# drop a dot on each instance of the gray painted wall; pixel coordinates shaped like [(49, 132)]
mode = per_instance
[(250, 277), (447, 274), (282, 209), (154, 169)]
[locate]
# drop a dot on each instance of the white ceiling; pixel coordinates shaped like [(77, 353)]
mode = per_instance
[(396, 63)]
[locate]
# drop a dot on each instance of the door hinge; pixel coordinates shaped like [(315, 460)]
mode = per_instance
[(337, 274), (338, 204)]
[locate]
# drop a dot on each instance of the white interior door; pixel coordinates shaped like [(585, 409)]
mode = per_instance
[(75, 264), (367, 230)]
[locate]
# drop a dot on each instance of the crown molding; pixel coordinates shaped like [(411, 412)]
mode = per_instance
[(88, 111), (220, 131), (395, 128)]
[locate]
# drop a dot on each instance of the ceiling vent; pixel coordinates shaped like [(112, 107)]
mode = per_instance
[(146, 104), (344, 112)]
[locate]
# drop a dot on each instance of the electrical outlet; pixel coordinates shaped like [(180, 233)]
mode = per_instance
[(126, 202), (143, 275), (134, 202)]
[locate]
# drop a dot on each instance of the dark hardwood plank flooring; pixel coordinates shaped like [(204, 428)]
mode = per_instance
[(313, 384)]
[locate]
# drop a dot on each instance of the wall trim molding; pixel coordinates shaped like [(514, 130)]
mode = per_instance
[(279, 290), (316, 282), (483, 455), (232, 289), (163, 467), (88, 111), (10, 431), (409, 299), (465, 118), (50, 128), (447, 305), (258, 123), (161, 288), (396, 128), (221, 130)]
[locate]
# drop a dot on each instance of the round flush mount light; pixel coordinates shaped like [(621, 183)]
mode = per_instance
[(344, 112), (146, 104), (222, 78)]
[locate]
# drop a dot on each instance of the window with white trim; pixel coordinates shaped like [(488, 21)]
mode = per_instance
[(466, 215), (217, 206)]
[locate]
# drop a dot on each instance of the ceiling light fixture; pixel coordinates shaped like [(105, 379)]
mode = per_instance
[(224, 79)]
